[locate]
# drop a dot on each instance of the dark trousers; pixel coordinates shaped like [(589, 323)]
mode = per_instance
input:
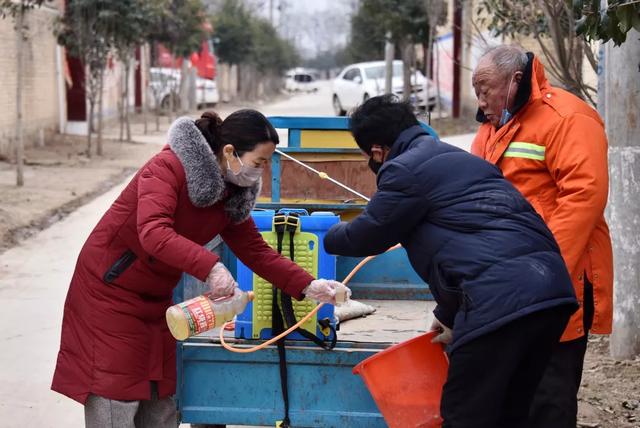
[(555, 404), (492, 379)]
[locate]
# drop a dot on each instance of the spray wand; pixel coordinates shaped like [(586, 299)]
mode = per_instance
[(323, 175)]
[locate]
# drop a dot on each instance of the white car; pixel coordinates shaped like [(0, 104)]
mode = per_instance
[(359, 82), (166, 81), (300, 82), (206, 92), (162, 83)]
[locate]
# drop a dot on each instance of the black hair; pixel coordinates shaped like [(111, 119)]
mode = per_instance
[(380, 120), (243, 129)]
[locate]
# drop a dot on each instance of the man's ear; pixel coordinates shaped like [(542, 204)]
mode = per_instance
[(377, 153), (517, 77)]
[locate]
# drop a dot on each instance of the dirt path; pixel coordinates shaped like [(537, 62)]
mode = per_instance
[(610, 393), (59, 179)]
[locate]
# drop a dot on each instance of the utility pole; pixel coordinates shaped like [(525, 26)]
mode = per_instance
[(271, 12), (622, 74), (388, 62), (457, 56)]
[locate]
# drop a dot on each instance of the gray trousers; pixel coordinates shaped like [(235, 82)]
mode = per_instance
[(100, 412)]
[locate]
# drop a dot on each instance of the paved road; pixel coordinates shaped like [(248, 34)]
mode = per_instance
[(33, 283), (34, 278)]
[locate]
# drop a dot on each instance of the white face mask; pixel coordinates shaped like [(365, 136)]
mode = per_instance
[(246, 177)]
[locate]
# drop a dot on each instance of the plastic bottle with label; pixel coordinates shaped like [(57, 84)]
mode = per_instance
[(200, 314)]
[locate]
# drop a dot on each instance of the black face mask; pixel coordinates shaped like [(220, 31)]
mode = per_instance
[(374, 166)]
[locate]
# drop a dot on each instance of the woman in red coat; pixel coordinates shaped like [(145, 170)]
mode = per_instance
[(116, 354)]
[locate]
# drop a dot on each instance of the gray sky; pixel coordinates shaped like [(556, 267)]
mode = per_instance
[(313, 25)]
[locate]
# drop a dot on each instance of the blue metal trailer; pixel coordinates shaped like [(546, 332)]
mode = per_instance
[(216, 386)]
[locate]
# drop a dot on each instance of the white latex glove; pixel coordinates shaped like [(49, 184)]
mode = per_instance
[(446, 334), (325, 290), (220, 281)]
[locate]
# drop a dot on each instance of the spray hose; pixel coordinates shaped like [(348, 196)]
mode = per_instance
[(299, 323)]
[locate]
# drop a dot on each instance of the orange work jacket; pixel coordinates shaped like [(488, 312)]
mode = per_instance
[(554, 150)]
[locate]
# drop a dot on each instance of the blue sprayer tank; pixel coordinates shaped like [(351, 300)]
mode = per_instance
[(255, 321)]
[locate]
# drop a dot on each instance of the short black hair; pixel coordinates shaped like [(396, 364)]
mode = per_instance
[(381, 120)]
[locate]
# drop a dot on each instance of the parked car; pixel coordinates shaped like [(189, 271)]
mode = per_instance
[(300, 81), (162, 83), (206, 92), (165, 82), (358, 82)]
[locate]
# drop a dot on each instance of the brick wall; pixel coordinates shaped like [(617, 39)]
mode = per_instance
[(40, 93)]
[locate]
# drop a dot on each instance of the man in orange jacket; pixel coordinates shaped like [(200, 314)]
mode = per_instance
[(552, 146)]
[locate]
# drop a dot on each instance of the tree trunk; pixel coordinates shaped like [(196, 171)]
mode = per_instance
[(144, 70), (171, 106), (234, 84), (388, 63), (126, 97), (99, 149), (427, 70), (172, 92), (238, 81), (406, 49), (89, 126), (204, 93), (622, 73), (19, 130), (438, 99), (158, 110), (121, 109), (193, 88), (184, 86), (227, 80)]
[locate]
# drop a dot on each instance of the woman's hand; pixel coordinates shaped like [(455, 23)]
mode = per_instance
[(327, 291), (220, 281)]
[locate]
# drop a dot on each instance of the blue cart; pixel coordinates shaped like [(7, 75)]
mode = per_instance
[(216, 386)]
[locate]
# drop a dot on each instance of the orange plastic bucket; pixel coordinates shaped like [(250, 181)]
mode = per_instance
[(406, 382)]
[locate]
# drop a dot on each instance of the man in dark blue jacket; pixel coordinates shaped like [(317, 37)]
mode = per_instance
[(503, 292)]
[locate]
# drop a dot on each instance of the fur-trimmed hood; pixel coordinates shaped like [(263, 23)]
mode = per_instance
[(205, 184)]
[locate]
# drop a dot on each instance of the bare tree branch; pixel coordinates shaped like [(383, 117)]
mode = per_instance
[(551, 24), (552, 62), (590, 56)]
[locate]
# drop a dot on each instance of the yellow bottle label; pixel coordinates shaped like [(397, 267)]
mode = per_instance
[(199, 315)]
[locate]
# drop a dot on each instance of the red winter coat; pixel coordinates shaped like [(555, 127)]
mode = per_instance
[(114, 336)]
